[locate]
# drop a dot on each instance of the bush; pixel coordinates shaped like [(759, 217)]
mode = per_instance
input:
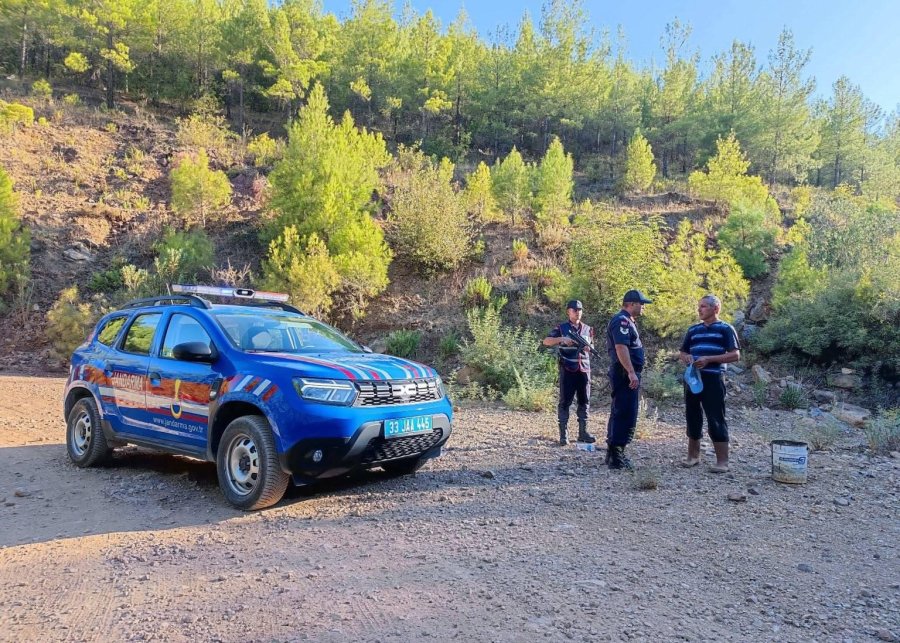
[(477, 292), (479, 197), (639, 166), (15, 244), (72, 100), (519, 250), (749, 237), (553, 185), (403, 343), (265, 150), (198, 191), (449, 345), (662, 381), (823, 435), (508, 357), (12, 114), (883, 432), (428, 220), (206, 130), (793, 397), (69, 321), (107, 281), (193, 249), (303, 269), (41, 89), (530, 397), (511, 184)]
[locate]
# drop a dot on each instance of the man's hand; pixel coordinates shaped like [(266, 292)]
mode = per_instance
[(685, 358), (701, 362), (633, 381), (565, 341)]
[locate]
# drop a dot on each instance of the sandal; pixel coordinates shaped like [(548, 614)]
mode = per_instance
[(690, 462), (719, 468)]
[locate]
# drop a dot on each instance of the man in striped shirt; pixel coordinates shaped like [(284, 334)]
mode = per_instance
[(709, 345)]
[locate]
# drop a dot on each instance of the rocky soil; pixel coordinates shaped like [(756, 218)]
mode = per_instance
[(506, 538)]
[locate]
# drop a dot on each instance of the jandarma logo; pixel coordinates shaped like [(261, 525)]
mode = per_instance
[(127, 381)]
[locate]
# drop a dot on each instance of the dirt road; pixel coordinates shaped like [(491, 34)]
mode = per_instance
[(505, 538)]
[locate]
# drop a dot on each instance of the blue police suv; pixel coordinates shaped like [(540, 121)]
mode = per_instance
[(266, 392)]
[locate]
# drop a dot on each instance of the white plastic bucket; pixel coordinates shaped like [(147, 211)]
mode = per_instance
[(789, 460)]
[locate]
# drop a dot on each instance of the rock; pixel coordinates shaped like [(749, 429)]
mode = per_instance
[(761, 375), (466, 375), (734, 369), (805, 567), (844, 380), (378, 346), (847, 371), (823, 396), (895, 455), (853, 415), (737, 497), (758, 312), (738, 320), (490, 475), (842, 502), (748, 332), (21, 493), (753, 491), (78, 254), (885, 635)]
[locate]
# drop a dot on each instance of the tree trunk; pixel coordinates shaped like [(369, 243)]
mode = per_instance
[(110, 71), (24, 52)]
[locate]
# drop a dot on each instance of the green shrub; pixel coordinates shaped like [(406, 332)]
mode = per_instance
[(519, 250), (477, 292), (530, 396), (403, 343), (12, 114), (760, 392), (428, 220), (793, 397), (265, 150), (508, 357), (883, 432), (449, 345), (193, 249), (646, 479), (823, 435), (69, 321), (15, 250), (303, 269), (42, 89), (749, 237), (107, 281), (72, 100), (206, 130), (663, 379), (479, 197), (553, 186), (511, 184)]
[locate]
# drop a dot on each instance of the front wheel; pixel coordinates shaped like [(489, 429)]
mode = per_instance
[(247, 463), (404, 467), (85, 441)]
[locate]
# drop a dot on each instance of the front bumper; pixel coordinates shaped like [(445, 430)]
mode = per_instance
[(367, 447)]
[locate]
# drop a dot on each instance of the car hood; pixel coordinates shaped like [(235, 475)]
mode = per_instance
[(349, 366)]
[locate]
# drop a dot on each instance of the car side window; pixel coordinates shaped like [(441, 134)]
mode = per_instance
[(182, 329), (139, 338), (110, 330)]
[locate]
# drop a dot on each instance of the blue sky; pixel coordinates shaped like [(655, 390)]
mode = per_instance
[(857, 39)]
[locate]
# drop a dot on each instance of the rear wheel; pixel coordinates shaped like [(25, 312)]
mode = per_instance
[(403, 467), (85, 441), (247, 463)]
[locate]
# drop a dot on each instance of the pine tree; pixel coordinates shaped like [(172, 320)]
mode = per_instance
[(14, 239), (479, 196), (553, 185), (639, 166), (197, 190), (511, 180)]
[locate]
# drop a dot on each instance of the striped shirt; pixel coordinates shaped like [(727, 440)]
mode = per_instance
[(716, 339)]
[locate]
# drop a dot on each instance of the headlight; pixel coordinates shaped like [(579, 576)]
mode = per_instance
[(442, 392), (325, 391)]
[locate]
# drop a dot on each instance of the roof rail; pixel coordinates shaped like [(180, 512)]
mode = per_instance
[(191, 300)]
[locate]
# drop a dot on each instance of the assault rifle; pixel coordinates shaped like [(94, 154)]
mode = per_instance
[(583, 343)]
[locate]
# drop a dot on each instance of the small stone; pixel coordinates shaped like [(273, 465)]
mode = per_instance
[(21, 493), (895, 455), (842, 502), (753, 491), (804, 567), (490, 475), (885, 635), (737, 497), (761, 375)]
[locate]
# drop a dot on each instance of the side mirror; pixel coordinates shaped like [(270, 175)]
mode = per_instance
[(365, 348), (195, 352)]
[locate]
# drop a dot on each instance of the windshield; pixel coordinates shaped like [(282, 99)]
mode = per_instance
[(276, 332)]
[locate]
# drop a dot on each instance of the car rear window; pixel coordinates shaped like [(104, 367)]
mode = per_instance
[(140, 334)]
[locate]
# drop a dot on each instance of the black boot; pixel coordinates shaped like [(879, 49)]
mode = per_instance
[(583, 435), (617, 460), (563, 435)]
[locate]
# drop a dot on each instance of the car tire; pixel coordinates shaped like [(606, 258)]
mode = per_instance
[(85, 441), (403, 467), (247, 463)]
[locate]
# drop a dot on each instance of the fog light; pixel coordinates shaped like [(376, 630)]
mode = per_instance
[(317, 455)]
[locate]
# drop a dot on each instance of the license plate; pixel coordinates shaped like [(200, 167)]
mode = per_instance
[(407, 426)]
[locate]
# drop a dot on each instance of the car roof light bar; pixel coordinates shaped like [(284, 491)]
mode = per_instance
[(225, 291)]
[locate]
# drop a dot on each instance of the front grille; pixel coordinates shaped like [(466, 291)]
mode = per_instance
[(388, 392), (381, 450)]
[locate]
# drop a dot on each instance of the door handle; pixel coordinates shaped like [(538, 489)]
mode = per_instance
[(154, 376), (107, 368)]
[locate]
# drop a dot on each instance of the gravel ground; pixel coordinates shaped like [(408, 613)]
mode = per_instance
[(506, 538)]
